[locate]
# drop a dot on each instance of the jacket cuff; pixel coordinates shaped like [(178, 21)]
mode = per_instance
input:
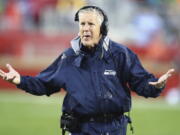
[(21, 84)]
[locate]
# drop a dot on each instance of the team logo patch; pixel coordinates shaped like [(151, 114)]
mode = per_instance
[(109, 72)]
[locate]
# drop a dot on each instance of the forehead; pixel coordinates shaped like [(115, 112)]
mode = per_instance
[(88, 16)]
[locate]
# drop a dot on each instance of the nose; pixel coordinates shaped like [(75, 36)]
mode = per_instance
[(86, 27)]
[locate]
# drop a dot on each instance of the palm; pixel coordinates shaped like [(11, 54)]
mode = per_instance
[(12, 76), (163, 79)]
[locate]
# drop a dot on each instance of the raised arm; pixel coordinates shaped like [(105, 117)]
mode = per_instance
[(141, 81), (46, 82), (11, 76)]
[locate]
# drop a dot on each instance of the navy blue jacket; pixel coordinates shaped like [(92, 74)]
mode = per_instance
[(97, 81)]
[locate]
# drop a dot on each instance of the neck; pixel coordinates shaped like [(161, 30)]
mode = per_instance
[(91, 49), (88, 49)]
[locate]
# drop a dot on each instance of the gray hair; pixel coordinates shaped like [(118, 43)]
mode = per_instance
[(99, 14)]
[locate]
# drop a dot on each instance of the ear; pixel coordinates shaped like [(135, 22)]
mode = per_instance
[(78, 33)]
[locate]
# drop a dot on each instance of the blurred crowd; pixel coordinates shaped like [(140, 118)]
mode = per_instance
[(141, 23), (35, 15), (153, 24), (137, 21)]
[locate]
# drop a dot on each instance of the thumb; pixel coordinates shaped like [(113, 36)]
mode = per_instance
[(170, 71), (9, 67)]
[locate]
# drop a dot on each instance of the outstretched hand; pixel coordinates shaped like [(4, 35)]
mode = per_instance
[(12, 76), (163, 79)]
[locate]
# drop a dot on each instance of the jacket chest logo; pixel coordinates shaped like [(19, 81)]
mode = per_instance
[(110, 72)]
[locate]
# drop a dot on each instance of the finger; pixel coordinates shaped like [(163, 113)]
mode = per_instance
[(5, 77), (170, 71), (153, 83), (10, 68), (2, 73)]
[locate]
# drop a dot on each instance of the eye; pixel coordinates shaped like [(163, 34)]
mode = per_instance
[(90, 23), (82, 23)]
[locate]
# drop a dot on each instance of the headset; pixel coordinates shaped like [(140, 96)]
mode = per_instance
[(104, 25)]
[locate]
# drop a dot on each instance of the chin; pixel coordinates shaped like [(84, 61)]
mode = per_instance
[(88, 44)]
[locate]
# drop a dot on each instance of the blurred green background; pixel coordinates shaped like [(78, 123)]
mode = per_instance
[(24, 114)]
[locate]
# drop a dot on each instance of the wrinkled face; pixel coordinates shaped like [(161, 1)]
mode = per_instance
[(89, 28)]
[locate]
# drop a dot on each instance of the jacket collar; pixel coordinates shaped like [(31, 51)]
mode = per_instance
[(75, 44)]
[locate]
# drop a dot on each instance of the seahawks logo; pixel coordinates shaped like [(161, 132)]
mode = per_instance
[(110, 72)]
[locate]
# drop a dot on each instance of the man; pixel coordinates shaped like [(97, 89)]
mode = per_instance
[(97, 74)]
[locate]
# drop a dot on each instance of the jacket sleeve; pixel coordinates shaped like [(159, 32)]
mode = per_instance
[(44, 83), (139, 78)]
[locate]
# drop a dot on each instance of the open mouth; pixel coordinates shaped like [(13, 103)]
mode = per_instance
[(86, 37)]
